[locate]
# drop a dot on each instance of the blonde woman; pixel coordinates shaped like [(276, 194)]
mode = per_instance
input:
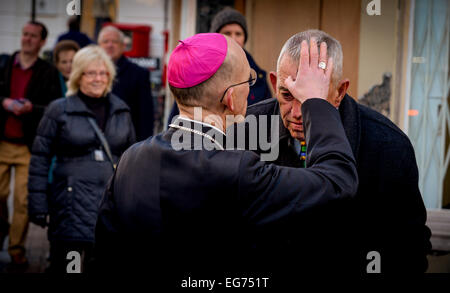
[(72, 130)]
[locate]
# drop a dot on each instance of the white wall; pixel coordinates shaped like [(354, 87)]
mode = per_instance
[(377, 45), (149, 12), (15, 13)]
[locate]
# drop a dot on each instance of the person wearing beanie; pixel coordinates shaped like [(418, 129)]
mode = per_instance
[(232, 23)]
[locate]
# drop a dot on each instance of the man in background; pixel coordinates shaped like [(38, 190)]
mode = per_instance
[(74, 33), (27, 85), (132, 82)]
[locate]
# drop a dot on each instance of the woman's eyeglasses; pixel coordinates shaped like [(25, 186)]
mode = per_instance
[(93, 74)]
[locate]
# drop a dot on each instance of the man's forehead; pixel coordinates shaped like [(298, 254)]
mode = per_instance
[(286, 67), (32, 28), (111, 35)]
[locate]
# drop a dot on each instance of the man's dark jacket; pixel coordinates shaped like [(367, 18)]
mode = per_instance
[(260, 90), (80, 38), (43, 88), (191, 209), (132, 85), (387, 214), (79, 180)]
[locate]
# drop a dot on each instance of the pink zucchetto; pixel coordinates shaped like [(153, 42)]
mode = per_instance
[(196, 59)]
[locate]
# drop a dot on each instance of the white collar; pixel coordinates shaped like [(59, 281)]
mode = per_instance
[(203, 123)]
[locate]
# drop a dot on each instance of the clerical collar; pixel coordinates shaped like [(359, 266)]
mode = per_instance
[(215, 135), (200, 122)]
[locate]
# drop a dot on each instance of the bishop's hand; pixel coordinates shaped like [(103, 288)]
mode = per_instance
[(311, 81)]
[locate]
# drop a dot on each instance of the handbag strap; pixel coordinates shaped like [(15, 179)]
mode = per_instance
[(103, 140)]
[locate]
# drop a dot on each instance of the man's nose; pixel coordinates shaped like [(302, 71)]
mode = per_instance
[(296, 109)]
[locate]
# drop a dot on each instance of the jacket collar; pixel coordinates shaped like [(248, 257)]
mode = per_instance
[(351, 120), (15, 61), (213, 134), (76, 105)]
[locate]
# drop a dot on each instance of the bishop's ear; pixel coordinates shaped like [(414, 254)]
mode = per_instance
[(228, 99)]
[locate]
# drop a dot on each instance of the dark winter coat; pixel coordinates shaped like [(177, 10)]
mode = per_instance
[(387, 215), (43, 88), (132, 85), (204, 208), (80, 38), (260, 90), (79, 180)]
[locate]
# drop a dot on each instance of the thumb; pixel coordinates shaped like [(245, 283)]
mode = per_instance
[(289, 83)]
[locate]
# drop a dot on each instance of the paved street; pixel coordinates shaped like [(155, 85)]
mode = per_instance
[(36, 244), (37, 250)]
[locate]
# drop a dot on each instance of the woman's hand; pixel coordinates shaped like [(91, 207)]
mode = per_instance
[(40, 220)]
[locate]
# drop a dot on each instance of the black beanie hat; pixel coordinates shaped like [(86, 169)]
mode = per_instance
[(228, 16)]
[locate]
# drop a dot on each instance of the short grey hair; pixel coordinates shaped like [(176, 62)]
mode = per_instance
[(334, 50), (111, 28)]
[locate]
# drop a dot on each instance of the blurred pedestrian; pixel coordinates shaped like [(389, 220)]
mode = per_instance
[(132, 82), (232, 23), (101, 13), (27, 85), (62, 58), (87, 132), (74, 33)]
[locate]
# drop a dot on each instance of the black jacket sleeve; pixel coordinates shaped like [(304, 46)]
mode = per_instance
[(42, 153), (269, 193), (108, 236), (132, 134), (43, 88)]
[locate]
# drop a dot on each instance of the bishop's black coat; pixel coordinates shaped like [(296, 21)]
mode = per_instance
[(387, 214), (208, 209)]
